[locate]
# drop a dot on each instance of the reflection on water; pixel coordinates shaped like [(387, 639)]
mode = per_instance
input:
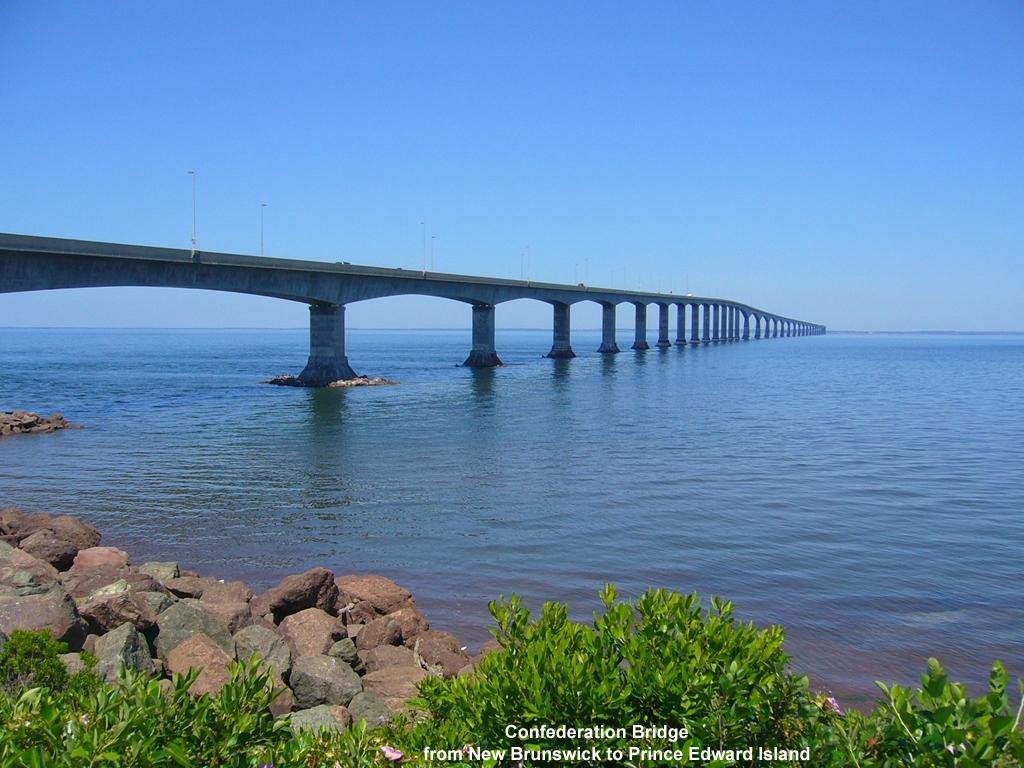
[(864, 492)]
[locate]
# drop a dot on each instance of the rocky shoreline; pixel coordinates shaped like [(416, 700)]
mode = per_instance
[(19, 422), (339, 648)]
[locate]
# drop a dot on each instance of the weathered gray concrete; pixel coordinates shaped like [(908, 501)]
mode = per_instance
[(608, 344), (30, 263), (663, 340), (561, 348), (483, 354), (680, 325), (640, 337), (716, 322), (327, 361)]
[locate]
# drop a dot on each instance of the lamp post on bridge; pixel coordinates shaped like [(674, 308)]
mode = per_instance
[(192, 173), (262, 207)]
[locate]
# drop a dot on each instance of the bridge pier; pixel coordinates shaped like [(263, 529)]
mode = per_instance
[(680, 325), (640, 337), (731, 325), (716, 322), (327, 361), (663, 341), (695, 324), (706, 329), (561, 349), (757, 326), (746, 326), (608, 345), (483, 354)]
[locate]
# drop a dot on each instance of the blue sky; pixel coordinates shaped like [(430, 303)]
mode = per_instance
[(856, 164)]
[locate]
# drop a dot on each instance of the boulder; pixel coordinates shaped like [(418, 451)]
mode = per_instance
[(13, 560), (411, 623), (104, 613), (441, 653), (76, 531), (232, 616), (322, 680), (313, 589), (184, 619), (42, 607), (203, 653), (72, 662), (383, 594), (122, 647), (158, 602), (87, 581), (320, 717), (283, 703), (48, 547), (162, 572), (311, 632), (188, 586), (394, 685), (272, 649), (345, 649), (227, 592), (359, 613), (387, 656), (372, 709), (381, 631), (93, 557)]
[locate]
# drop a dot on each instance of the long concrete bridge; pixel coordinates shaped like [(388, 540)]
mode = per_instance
[(29, 263)]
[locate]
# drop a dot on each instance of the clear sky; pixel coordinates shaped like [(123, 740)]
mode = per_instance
[(856, 164)]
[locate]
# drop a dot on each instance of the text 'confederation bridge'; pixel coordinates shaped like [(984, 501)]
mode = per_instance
[(30, 263)]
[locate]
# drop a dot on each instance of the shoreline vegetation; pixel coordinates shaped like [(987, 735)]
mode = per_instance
[(106, 662)]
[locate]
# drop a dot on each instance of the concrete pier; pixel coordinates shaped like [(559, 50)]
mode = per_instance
[(694, 323), (680, 325), (640, 338), (608, 345), (663, 340), (716, 322), (327, 361), (483, 354), (706, 329), (746, 326), (561, 349)]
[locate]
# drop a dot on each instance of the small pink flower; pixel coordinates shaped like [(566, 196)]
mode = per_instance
[(466, 749), (833, 705), (951, 749), (390, 753)]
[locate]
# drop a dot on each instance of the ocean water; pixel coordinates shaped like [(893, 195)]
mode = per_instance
[(866, 492)]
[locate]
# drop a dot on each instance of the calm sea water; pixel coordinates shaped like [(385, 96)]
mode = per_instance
[(866, 492)]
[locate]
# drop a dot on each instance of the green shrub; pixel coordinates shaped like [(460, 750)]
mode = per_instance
[(662, 659), (30, 660)]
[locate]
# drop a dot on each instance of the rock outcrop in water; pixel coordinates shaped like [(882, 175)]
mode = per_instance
[(27, 423), (358, 381), (353, 646)]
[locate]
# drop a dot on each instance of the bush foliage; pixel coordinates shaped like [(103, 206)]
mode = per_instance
[(663, 659)]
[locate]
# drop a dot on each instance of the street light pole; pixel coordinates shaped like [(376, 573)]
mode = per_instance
[(193, 175), (432, 252), (262, 206)]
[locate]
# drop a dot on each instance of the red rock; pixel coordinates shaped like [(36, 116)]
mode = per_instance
[(50, 548), (18, 560), (383, 594), (227, 592), (383, 630), (200, 652), (108, 612), (81, 583), (188, 586), (441, 652), (313, 589), (387, 656), (394, 685), (311, 632), (232, 615), (94, 557), (50, 609), (411, 622), (360, 613)]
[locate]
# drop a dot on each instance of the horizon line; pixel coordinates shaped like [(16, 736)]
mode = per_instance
[(920, 332)]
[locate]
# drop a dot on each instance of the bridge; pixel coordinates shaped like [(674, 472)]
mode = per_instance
[(29, 263)]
